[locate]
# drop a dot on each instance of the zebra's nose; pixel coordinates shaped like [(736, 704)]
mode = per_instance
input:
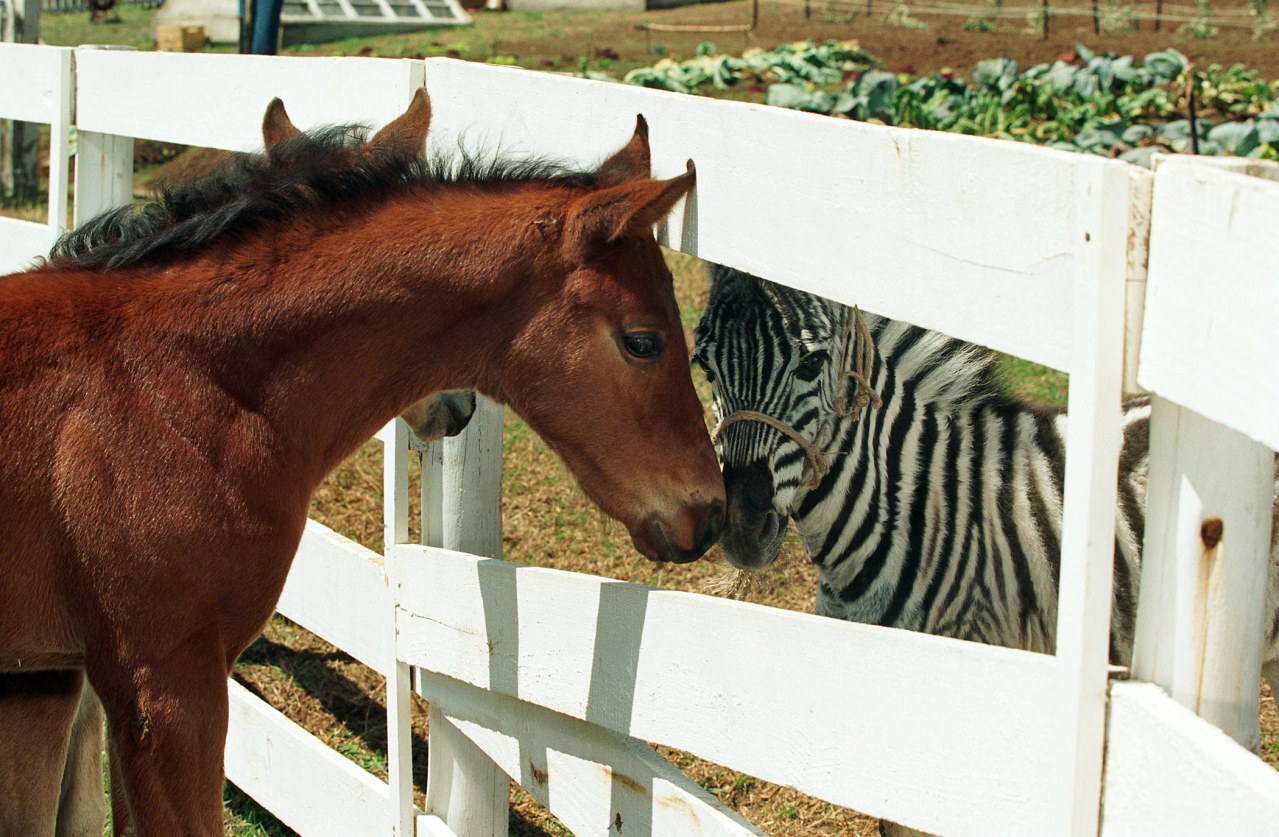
[(754, 531), (749, 487)]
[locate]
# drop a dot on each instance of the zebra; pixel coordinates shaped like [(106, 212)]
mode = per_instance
[(927, 497)]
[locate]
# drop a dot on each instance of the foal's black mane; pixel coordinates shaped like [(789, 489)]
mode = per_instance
[(327, 167)]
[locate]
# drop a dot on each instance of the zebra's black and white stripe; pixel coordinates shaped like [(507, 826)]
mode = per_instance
[(942, 509)]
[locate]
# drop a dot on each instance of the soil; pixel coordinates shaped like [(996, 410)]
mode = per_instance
[(612, 42), (547, 520)]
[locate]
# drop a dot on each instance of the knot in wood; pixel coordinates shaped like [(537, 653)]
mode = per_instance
[(1210, 532)]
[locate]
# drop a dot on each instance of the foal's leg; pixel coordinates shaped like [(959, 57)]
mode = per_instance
[(167, 738), (36, 713), (82, 809)]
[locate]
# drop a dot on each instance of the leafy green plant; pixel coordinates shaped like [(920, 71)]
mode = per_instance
[(1262, 23), (986, 20), (1116, 18), (900, 16), (1095, 103), (1200, 26), (799, 63)]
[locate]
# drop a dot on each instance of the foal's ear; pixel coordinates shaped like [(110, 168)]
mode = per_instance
[(405, 136), (630, 163), (630, 208), (276, 125)]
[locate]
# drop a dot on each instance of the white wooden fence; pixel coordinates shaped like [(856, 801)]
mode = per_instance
[(555, 679), (44, 96)]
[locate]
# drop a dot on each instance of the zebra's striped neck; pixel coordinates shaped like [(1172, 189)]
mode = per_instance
[(864, 521)]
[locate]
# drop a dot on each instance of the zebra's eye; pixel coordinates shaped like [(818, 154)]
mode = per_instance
[(811, 365), (645, 345), (705, 367)]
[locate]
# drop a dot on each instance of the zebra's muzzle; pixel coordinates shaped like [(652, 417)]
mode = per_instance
[(754, 532)]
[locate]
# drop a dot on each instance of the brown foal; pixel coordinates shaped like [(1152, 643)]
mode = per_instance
[(162, 438)]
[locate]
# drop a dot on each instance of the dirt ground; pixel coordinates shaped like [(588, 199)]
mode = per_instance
[(547, 520), (612, 42)]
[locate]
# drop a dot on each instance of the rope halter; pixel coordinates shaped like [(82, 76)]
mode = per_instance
[(861, 355)]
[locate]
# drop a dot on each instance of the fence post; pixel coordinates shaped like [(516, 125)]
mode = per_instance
[(472, 485), (1089, 497), (19, 141), (399, 706), (1203, 589), (465, 788), (103, 171), (60, 151), (1202, 582), (103, 174)]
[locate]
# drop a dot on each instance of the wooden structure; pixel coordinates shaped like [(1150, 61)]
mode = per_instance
[(173, 38), (311, 21), (43, 97), (556, 679)]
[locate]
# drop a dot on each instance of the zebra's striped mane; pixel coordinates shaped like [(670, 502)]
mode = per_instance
[(948, 372)]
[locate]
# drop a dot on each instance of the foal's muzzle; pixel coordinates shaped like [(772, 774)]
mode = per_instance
[(656, 540)]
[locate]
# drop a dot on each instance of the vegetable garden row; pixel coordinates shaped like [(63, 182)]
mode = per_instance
[(556, 680), (1097, 103)]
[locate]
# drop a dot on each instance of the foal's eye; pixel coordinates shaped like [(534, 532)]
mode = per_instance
[(811, 365), (645, 345)]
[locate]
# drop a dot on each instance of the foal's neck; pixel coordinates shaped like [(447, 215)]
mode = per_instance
[(330, 330)]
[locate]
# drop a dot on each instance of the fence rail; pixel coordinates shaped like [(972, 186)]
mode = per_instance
[(555, 679), (1107, 14)]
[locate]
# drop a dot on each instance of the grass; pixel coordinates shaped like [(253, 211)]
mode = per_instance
[(547, 520), (1033, 383), (132, 30), (549, 523)]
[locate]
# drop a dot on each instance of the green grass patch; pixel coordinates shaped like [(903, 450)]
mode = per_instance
[(74, 29), (1033, 383)]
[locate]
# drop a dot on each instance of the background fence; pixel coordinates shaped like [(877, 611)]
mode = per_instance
[(1116, 16), (556, 679), (60, 6)]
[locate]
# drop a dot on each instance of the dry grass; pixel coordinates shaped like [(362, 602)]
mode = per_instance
[(547, 520), (549, 523)]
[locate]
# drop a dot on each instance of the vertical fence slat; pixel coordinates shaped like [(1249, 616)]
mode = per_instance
[(1203, 590), (1208, 354), (1088, 515), (60, 151), (399, 752), (399, 707), (465, 788), (433, 493), (103, 173), (472, 484), (395, 484), (1140, 191)]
